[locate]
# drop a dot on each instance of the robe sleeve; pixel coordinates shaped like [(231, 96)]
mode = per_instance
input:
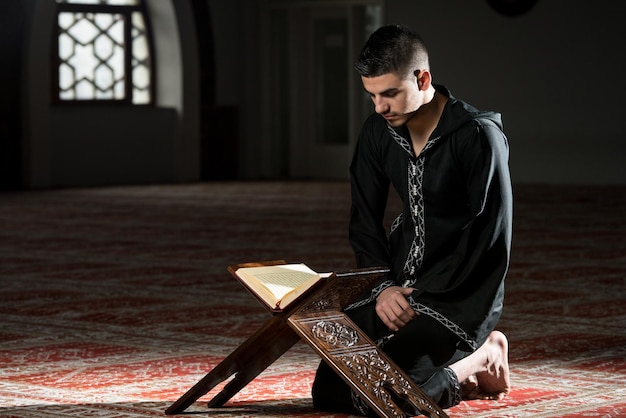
[(369, 192), (469, 285)]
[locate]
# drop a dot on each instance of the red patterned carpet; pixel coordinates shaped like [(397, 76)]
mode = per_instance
[(115, 301)]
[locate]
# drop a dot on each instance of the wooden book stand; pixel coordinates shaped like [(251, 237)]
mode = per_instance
[(318, 319)]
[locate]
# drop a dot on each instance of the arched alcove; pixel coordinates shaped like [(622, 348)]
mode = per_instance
[(109, 144)]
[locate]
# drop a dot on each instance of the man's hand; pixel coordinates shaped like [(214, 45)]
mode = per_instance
[(393, 308)]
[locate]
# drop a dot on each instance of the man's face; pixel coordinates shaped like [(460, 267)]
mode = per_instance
[(394, 98)]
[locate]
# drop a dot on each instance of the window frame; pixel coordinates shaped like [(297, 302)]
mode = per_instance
[(127, 11)]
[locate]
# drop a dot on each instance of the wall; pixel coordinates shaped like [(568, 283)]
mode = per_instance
[(12, 21), (128, 145), (555, 74), (236, 31)]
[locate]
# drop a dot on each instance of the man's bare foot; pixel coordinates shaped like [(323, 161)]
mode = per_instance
[(485, 373), (494, 383)]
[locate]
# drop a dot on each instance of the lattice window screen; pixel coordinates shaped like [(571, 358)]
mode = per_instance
[(104, 51)]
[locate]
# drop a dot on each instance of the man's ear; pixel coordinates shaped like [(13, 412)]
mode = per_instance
[(423, 79)]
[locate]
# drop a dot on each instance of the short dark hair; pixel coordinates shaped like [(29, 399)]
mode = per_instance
[(392, 49)]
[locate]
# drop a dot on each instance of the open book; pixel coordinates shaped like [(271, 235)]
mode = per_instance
[(280, 284)]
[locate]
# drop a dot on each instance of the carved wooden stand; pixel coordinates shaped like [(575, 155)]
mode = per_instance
[(317, 318)]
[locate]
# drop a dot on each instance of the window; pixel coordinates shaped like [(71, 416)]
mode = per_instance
[(104, 52)]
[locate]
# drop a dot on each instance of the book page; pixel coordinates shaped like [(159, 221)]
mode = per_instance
[(280, 283), (281, 279)]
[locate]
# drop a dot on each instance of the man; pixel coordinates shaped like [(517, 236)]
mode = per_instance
[(448, 251)]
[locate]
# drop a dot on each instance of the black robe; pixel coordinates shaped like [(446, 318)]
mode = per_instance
[(452, 241)]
